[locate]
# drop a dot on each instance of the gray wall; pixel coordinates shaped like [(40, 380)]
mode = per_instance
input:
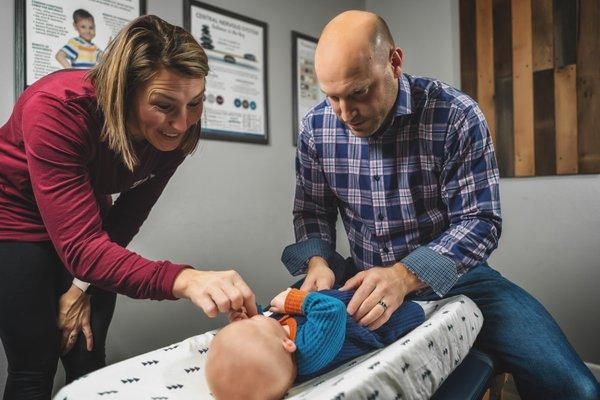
[(229, 205), (550, 242)]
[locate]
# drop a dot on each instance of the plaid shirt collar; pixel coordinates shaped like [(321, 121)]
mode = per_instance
[(402, 106), (404, 99)]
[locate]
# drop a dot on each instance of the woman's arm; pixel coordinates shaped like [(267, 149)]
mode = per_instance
[(57, 155)]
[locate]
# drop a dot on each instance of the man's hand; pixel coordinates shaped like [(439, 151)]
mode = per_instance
[(319, 276), (278, 302), (215, 291), (73, 317), (379, 292)]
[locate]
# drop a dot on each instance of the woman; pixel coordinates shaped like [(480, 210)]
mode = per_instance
[(75, 138)]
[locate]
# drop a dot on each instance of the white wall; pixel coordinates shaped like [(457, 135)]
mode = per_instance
[(229, 205), (550, 242)]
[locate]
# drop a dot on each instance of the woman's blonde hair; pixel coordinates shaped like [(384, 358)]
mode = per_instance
[(133, 58)]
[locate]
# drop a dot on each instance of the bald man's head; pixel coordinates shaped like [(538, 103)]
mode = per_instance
[(357, 66), (362, 28)]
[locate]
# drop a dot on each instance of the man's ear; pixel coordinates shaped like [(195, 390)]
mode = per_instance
[(289, 345), (396, 59)]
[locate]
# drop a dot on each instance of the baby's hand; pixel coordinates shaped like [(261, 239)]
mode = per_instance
[(237, 315), (278, 302)]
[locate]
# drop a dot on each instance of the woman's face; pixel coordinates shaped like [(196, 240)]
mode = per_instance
[(165, 108)]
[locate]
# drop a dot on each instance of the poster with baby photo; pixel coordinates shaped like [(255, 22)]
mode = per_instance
[(55, 34)]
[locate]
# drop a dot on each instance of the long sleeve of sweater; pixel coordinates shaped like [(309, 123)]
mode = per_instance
[(360, 340), (321, 337)]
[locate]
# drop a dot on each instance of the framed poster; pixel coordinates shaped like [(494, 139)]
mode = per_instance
[(54, 34), (305, 88), (235, 104)]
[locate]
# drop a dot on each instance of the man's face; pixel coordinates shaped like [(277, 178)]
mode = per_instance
[(363, 99), (86, 28)]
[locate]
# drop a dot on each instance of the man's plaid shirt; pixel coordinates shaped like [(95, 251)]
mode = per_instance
[(423, 190)]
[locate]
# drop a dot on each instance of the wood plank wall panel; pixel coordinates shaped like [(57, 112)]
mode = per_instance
[(588, 86), (545, 136), (504, 144), (543, 34), (565, 95), (543, 86), (565, 32), (543, 97), (502, 39), (468, 54), (523, 88), (485, 62)]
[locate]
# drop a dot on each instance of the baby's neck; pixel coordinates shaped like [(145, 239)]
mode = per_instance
[(286, 329)]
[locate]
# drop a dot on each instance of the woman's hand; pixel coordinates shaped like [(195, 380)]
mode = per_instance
[(215, 291), (319, 276), (278, 302), (74, 316)]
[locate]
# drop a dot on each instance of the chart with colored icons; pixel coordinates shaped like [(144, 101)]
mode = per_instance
[(235, 106)]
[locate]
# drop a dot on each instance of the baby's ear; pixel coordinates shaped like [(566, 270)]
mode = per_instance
[(289, 345)]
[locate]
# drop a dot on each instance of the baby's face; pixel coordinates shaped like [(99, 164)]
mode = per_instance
[(261, 348), (86, 28)]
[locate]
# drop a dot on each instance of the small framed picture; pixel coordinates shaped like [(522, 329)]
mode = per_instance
[(55, 34), (306, 92), (236, 100)]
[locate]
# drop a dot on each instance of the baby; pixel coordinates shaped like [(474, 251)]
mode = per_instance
[(261, 357), (80, 52)]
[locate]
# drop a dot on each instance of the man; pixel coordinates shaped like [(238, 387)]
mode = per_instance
[(410, 165)]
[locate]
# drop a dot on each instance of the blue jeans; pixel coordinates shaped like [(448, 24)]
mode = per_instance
[(524, 338)]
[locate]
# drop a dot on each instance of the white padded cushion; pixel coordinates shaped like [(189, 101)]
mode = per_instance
[(411, 368)]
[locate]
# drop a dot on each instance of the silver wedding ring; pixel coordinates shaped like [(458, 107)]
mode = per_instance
[(382, 304)]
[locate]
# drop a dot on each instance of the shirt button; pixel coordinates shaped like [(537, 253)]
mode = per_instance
[(386, 250), (380, 216), (376, 177)]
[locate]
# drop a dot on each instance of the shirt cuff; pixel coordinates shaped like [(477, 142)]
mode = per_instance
[(170, 273), (293, 301), (295, 257), (436, 270), (81, 284)]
